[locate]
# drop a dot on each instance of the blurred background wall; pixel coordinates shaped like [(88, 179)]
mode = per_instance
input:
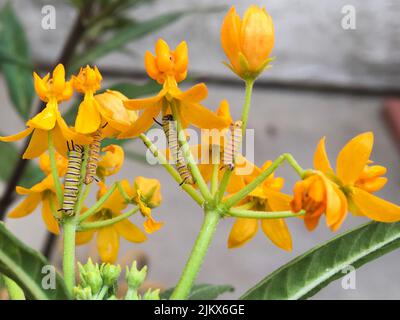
[(325, 81)]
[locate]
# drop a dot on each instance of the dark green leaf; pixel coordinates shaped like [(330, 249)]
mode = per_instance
[(202, 291), (24, 265), (124, 36), (309, 273), (8, 157), (18, 77)]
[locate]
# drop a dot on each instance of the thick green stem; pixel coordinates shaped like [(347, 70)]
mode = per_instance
[(69, 228), (214, 179), (188, 155), (240, 213), (14, 291), (53, 166), (182, 290), (108, 222), (175, 175)]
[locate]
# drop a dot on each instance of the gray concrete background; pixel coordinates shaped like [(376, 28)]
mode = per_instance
[(310, 46)]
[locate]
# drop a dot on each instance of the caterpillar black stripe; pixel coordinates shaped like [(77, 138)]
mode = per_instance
[(93, 160), (232, 144), (71, 180), (172, 138)]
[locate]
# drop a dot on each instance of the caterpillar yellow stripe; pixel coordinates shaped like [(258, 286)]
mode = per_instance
[(94, 156), (176, 152), (232, 144), (71, 180)]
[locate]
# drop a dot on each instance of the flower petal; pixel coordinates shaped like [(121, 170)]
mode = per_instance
[(48, 218), (108, 244), (130, 231), (202, 117), (243, 230), (230, 37), (144, 103), (143, 123), (277, 201), (83, 237), (353, 157), (374, 207), (88, 119), (334, 207), (321, 160), (17, 136), (195, 94), (46, 119), (277, 231), (37, 145), (27, 206)]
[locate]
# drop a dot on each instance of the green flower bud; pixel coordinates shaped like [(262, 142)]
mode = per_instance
[(90, 276), (152, 295), (110, 273), (83, 293), (134, 277)]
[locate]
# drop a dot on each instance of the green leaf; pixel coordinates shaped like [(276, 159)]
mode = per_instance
[(24, 265), (8, 157), (18, 77), (124, 36), (202, 291), (304, 276)]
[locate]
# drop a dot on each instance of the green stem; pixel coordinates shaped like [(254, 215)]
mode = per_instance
[(175, 175), (182, 290), (246, 206), (238, 213), (53, 166), (223, 185), (102, 293), (247, 104), (69, 228), (108, 222), (231, 201), (188, 155), (123, 192), (214, 179), (13, 289), (92, 210)]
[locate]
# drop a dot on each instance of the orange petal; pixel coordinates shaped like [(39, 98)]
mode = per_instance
[(88, 119), (202, 117), (151, 225), (26, 206), (139, 104), (48, 218), (195, 94), (17, 136), (46, 119), (333, 203), (243, 230), (336, 223), (230, 37), (37, 145), (277, 231), (130, 231), (108, 244), (374, 207), (321, 160), (83, 237), (277, 201), (353, 157), (143, 123), (181, 57)]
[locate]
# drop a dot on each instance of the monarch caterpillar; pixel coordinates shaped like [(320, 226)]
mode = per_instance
[(72, 177), (93, 159), (176, 152), (232, 144)]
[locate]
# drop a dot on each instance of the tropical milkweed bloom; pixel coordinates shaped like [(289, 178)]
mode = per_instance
[(42, 192), (248, 42), (108, 237), (349, 188), (266, 197), (90, 113), (168, 68), (111, 161), (52, 91)]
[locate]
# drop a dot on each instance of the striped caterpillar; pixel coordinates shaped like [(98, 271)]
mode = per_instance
[(232, 144), (93, 159)]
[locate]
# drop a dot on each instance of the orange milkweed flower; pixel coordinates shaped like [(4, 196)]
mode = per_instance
[(248, 42), (108, 237), (110, 162), (164, 68), (42, 192), (350, 187), (266, 197), (52, 91)]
